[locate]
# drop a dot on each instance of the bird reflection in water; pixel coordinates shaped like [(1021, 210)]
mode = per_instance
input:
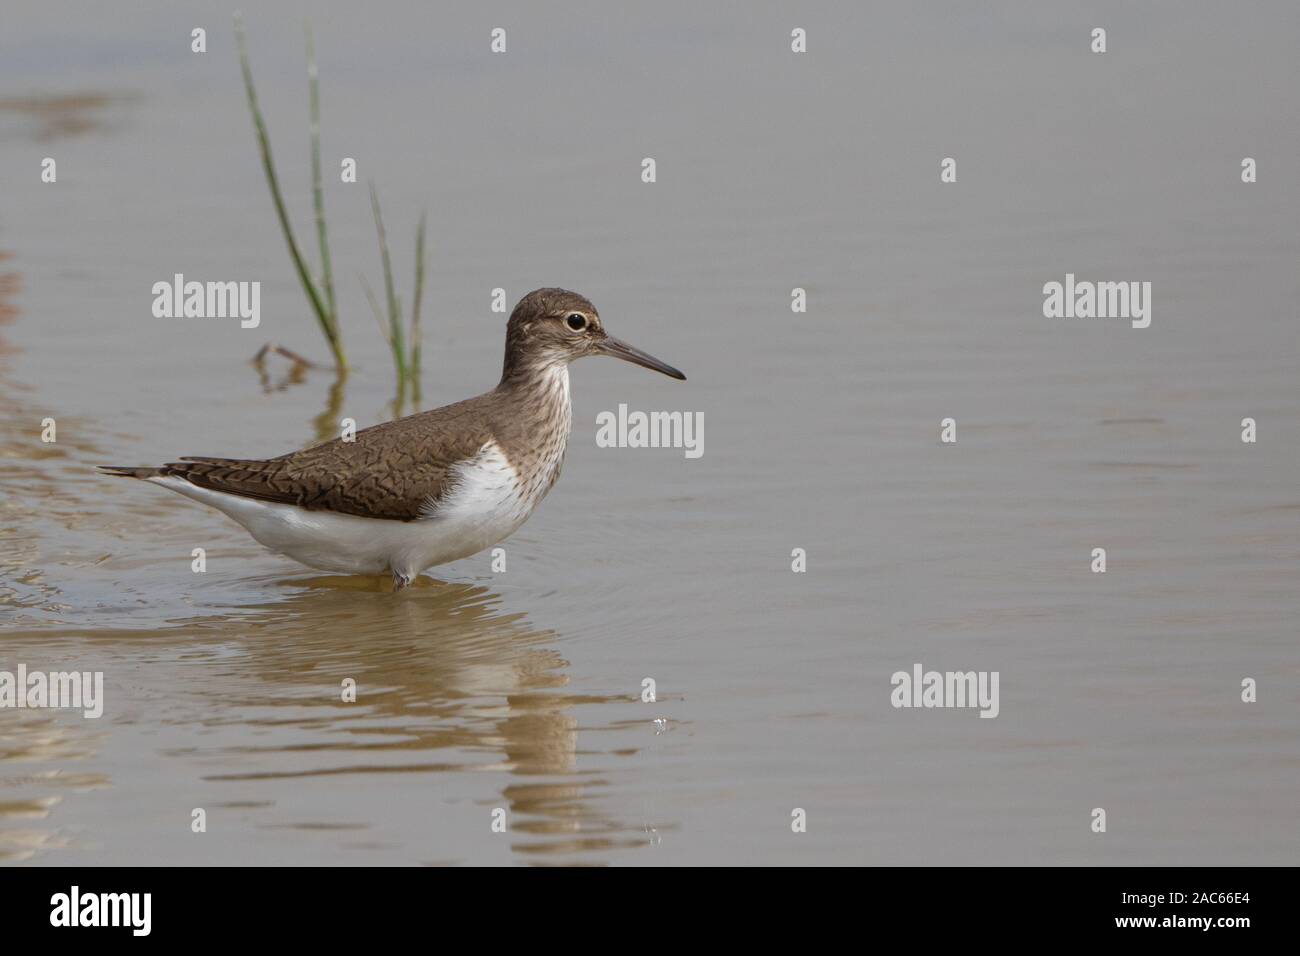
[(442, 681)]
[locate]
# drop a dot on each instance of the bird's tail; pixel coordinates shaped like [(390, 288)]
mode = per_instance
[(125, 471)]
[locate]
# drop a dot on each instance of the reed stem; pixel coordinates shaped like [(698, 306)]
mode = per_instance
[(318, 193), (396, 337), (324, 316), (416, 336)]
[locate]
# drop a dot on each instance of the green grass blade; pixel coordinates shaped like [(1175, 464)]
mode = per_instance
[(268, 165), (318, 193), (396, 338), (416, 337)]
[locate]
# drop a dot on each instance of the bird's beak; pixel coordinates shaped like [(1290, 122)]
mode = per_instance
[(612, 346)]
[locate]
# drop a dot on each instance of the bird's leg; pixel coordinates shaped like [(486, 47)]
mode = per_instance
[(401, 580)]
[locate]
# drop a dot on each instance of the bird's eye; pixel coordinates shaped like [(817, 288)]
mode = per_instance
[(576, 321)]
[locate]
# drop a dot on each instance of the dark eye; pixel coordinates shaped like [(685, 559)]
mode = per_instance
[(576, 321)]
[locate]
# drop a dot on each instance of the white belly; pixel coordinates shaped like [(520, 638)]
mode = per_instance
[(485, 506)]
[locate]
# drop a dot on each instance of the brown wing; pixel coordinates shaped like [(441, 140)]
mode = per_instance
[(394, 470)]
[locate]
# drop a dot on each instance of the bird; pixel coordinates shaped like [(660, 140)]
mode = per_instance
[(430, 488)]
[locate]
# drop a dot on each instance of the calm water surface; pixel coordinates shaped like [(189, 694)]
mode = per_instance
[(521, 690)]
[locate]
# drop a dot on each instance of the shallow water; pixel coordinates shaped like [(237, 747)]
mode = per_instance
[(521, 691)]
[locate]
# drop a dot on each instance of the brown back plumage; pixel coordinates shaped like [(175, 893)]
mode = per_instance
[(396, 470)]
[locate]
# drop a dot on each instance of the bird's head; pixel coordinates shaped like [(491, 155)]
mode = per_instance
[(552, 327)]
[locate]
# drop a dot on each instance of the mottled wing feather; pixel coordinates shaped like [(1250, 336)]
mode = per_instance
[(395, 470)]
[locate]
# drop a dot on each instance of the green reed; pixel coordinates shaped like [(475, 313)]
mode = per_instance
[(403, 343), (320, 296)]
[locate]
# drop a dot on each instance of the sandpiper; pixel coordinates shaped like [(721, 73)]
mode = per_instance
[(428, 488)]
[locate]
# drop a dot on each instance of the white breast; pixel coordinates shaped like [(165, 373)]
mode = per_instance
[(486, 503), (490, 499)]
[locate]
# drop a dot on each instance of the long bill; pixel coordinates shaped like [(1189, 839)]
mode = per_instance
[(630, 353)]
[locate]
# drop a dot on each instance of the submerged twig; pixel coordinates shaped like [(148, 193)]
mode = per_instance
[(273, 347), (295, 374)]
